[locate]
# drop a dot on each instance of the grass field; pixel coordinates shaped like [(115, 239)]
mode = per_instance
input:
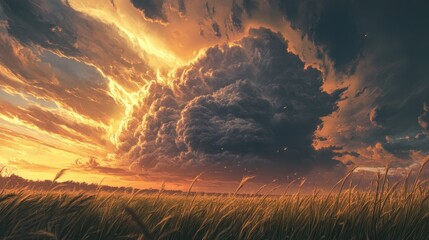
[(390, 211)]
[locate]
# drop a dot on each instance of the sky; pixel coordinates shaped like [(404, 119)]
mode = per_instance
[(138, 92)]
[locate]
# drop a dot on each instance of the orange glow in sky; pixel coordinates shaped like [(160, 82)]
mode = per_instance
[(112, 91)]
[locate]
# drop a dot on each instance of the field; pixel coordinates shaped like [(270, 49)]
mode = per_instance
[(390, 211)]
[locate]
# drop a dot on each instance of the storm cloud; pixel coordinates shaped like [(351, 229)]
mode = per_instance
[(250, 6), (154, 10), (378, 49), (330, 24), (237, 108), (173, 87)]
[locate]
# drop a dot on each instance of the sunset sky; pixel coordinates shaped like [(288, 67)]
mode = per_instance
[(136, 92)]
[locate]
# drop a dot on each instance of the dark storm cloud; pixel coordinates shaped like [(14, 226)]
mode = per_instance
[(384, 43), (250, 6), (398, 52), (55, 26), (153, 9), (28, 23), (412, 140), (403, 147), (240, 108), (331, 24)]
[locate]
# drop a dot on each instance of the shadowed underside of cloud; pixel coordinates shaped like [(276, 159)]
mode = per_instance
[(402, 77), (154, 10), (250, 6), (238, 109), (381, 47), (331, 24), (391, 71)]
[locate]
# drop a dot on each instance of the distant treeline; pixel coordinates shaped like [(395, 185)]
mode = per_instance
[(15, 182)]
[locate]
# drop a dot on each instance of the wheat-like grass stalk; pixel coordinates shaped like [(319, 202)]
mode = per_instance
[(383, 211), (243, 181), (60, 174), (138, 223), (159, 193), (192, 183)]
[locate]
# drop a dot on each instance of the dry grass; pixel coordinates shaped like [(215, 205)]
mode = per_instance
[(391, 211)]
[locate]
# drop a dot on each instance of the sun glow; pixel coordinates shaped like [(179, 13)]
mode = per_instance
[(148, 46), (122, 52)]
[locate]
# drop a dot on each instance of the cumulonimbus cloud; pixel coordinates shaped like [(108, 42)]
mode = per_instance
[(238, 108)]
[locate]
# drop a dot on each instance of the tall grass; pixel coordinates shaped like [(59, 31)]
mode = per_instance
[(390, 211)]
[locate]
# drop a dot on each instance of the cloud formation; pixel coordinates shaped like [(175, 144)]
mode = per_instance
[(74, 68), (49, 121), (332, 25), (55, 26), (389, 80), (93, 165), (154, 10), (243, 107), (250, 6), (46, 76)]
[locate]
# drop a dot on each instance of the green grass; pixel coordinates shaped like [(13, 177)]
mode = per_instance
[(390, 211)]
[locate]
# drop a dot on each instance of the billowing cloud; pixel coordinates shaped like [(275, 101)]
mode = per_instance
[(187, 95), (238, 108)]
